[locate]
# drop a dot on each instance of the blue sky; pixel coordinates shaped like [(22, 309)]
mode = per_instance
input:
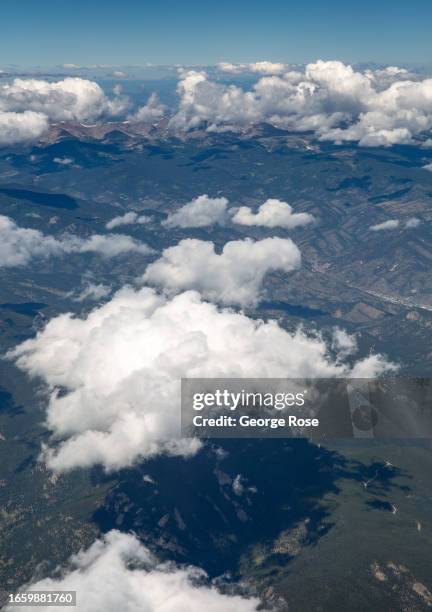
[(134, 32)]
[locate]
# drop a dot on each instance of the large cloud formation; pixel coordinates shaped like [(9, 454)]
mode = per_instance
[(28, 105), (199, 212), (232, 277), (330, 98), (21, 127), (67, 100), (273, 213), (120, 367), (117, 573), (19, 246)]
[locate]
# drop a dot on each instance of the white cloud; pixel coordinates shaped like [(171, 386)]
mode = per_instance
[(108, 246), (330, 98), (374, 108), (383, 77), (149, 113), (391, 224), (117, 573), (263, 67), (120, 74), (21, 127), (371, 367), (143, 219), (412, 223), (343, 343), (120, 369), (233, 277), (267, 67), (27, 106), (71, 99), (240, 486), (273, 213), (19, 246), (202, 101), (128, 218), (91, 291), (64, 161), (428, 167), (199, 212), (232, 68)]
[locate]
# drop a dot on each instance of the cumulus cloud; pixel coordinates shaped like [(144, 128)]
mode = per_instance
[(391, 224), (199, 212), (330, 98), (232, 68), (343, 343), (273, 213), (118, 573), (128, 218), (267, 67), (149, 113), (16, 128), (232, 277), (71, 99), (27, 106), (108, 246), (19, 246), (428, 167), (338, 103), (120, 367)]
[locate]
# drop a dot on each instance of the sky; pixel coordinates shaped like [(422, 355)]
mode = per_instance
[(136, 32)]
